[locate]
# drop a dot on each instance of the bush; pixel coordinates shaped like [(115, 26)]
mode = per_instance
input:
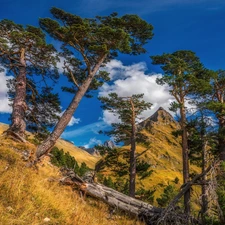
[(168, 193), (146, 195)]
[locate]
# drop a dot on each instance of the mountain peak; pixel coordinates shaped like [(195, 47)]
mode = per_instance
[(160, 117)]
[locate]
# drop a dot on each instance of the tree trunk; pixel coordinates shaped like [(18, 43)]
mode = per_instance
[(187, 195), (18, 125), (150, 214), (49, 143), (132, 180), (204, 186)]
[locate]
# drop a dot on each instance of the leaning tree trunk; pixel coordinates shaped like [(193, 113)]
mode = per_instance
[(111, 197), (18, 125), (49, 143), (187, 195)]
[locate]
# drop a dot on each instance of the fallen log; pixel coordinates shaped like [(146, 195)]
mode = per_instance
[(112, 197), (151, 215)]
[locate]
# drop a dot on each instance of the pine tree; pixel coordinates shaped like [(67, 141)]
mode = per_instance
[(183, 72), (23, 51), (87, 45), (128, 110)]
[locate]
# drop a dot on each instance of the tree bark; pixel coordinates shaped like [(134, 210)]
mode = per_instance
[(18, 125), (49, 143), (132, 154), (187, 195)]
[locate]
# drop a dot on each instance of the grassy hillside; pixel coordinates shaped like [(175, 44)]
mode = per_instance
[(79, 154), (164, 154), (34, 196)]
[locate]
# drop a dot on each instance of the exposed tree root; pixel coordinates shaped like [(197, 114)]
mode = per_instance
[(14, 136)]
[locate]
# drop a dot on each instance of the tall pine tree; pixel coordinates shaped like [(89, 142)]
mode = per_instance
[(23, 51), (216, 103), (128, 110), (87, 45), (183, 71)]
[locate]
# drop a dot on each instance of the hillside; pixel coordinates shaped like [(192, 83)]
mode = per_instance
[(79, 154), (164, 154), (34, 196)]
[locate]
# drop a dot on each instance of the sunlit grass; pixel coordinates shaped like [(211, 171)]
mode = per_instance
[(32, 195)]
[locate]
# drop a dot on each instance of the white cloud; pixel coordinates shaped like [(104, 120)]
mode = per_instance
[(93, 128), (134, 79), (73, 120), (60, 65), (4, 101), (93, 142)]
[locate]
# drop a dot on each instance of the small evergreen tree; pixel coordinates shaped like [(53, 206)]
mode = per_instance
[(61, 159), (108, 182), (168, 194)]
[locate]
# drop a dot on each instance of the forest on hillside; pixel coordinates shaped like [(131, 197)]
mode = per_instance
[(86, 46)]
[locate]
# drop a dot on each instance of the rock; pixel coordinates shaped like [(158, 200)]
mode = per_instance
[(46, 219), (25, 155), (109, 144), (10, 209)]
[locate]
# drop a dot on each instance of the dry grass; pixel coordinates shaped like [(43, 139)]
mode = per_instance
[(28, 195), (79, 154)]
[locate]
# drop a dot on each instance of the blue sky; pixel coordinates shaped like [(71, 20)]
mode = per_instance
[(196, 25)]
